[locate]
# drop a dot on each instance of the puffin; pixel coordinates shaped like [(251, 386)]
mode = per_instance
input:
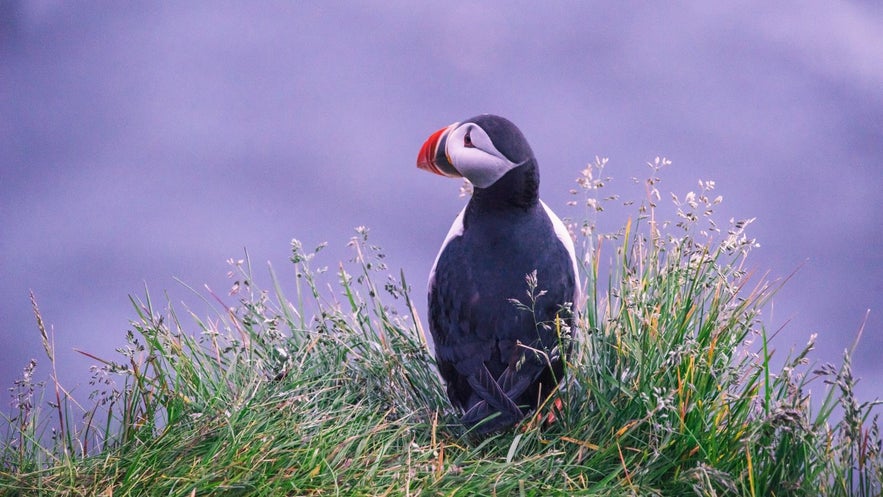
[(497, 341)]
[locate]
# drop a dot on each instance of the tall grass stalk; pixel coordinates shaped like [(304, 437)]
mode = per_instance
[(669, 388)]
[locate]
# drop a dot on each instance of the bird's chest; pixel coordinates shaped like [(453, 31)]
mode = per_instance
[(500, 256)]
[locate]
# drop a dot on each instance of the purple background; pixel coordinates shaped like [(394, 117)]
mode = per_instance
[(142, 142)]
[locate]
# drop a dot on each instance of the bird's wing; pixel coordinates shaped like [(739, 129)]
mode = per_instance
[(459, 328), (461, 345), (563, 236)]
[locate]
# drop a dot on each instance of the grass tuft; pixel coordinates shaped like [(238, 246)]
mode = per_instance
[(669, 388)]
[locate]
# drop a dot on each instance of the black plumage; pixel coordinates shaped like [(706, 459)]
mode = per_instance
[(498, 359)]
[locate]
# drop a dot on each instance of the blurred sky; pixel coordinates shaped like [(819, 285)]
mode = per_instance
[(145, 141)]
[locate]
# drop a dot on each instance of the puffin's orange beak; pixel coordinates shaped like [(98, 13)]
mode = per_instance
[(432, 155)]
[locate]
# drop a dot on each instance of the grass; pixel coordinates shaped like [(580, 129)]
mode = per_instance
[(670, 388)]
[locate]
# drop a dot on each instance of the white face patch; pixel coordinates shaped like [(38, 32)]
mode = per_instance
[(471, 151)]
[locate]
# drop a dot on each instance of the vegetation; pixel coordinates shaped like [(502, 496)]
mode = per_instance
[(669, 388)]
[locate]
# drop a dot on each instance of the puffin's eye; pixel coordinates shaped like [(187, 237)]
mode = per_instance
[(467, 140)]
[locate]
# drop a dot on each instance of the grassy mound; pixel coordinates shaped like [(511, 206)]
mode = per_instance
[(669, 389)]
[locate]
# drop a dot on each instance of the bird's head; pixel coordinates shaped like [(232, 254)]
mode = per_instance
[(481, 149)]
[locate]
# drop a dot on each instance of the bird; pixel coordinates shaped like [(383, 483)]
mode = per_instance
[(496, 340)]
